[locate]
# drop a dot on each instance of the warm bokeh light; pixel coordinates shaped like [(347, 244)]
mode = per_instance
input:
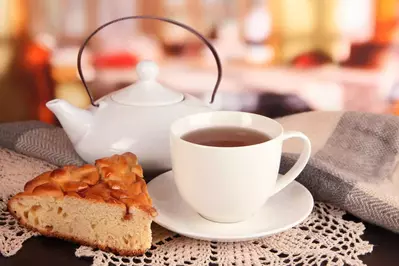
[(329, 54)]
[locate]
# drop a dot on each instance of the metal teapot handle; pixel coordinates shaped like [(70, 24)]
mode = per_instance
[(208, 44)]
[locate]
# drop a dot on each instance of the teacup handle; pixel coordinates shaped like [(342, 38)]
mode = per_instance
[(300, 164)]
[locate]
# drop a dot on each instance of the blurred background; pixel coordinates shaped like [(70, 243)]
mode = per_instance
[(279, 56)]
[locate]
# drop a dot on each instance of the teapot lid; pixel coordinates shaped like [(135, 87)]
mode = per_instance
[(147, 91)]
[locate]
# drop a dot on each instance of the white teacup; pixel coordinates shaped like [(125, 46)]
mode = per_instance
[(230, 184)]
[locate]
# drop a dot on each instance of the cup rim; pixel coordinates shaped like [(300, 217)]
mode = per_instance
[(180, 120)]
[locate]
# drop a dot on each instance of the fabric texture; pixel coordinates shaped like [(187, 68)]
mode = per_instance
[(323, 238), (39, 140), (353, 164)]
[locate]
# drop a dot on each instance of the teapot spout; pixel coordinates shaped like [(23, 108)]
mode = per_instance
[(75, 121)]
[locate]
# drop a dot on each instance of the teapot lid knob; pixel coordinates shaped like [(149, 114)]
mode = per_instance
[(147, 91), (147, 70)]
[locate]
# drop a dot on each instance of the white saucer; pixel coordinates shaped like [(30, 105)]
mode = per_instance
[(284, 210)]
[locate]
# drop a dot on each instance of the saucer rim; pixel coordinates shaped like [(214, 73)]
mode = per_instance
[(236, 238)]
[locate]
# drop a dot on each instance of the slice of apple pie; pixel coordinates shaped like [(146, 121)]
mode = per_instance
[(105, 205)]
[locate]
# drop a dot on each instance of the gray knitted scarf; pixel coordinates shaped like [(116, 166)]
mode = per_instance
[(353, 163)]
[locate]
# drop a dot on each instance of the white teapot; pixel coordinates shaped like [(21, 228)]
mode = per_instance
[(136, 118)]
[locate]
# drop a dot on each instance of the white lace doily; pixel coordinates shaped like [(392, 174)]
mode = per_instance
[(324, 238)]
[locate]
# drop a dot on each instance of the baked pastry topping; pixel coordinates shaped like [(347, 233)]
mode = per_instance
[(89, 200)]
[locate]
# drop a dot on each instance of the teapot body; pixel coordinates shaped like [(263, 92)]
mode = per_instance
[(141, 130)]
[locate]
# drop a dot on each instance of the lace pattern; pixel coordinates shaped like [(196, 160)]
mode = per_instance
[(12, 235), (323, 237)]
